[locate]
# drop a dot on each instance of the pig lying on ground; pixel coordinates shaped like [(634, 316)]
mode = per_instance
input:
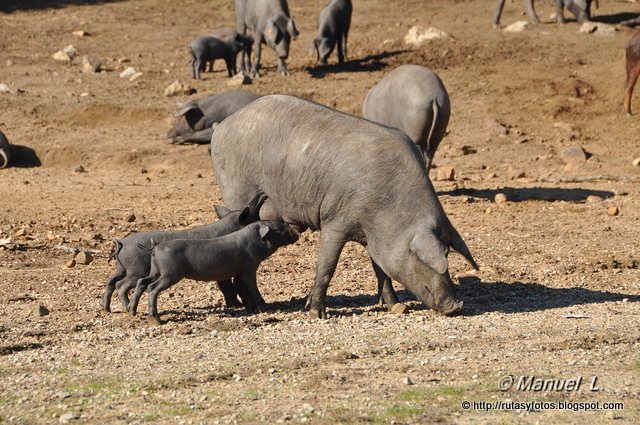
[(236, 255), (269, 22), (197, 116), (414, 100), (5, 151), (333, 28), (134, 263), (208, 49), (349, 177)]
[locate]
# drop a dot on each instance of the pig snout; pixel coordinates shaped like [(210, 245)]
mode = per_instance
[(438, 293)]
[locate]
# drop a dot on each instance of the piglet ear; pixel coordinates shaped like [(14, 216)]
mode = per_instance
[(291, 29), (221, 211), (430, 250), (245, 216), (264, 231)]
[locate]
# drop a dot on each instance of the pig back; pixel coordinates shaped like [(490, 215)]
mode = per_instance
[(317, 164)]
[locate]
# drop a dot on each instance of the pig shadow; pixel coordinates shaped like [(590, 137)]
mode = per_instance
[(519, 297), (367, 64), (532, 194), (486, 297), (23, 157), (13, 6), (624, 18)]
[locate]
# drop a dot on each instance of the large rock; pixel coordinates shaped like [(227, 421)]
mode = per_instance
[(128, 72), (91, 64), (518, 26), (598, 28), (418, 35), (238, 80), (177, 88)]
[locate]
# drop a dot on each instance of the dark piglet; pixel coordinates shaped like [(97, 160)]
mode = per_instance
[(333, 28), (633, 70), (208, 49), (351, 178), (134, 263), (270, 23), (236, 255), (414, 100), (5, 151), (197, 116)]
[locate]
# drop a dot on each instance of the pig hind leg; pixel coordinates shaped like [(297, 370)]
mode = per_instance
[(154, 289), (110, 287), (230, 294), (633, 70), (141, 285), (123, 287)]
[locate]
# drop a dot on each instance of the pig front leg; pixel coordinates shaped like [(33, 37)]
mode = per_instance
[(331, 244), (282, 67), (251, 296), (342, 49), (560, 12), (531, 11), (201, 137), (256, 55), (496, 17)]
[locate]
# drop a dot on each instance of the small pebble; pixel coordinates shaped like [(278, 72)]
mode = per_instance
[(613, 211), (500, 198)]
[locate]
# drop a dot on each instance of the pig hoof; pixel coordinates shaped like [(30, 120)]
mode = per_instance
[(154, 321), (316, 313), (399, 308), (107, 308)]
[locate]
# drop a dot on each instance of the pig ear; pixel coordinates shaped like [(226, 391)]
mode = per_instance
[(221, 211), (460, 247), (291, 29), (430, 250), (264, 231), (184, 108), (271, 31)]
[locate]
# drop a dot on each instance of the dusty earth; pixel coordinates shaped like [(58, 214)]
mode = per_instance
[(556, 298)]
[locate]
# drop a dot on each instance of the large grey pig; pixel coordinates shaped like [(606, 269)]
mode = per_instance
[(208, 49), (197, 116), (349, 177), (223, 258), (270, 23), (333, 28), (580, 8), (414, 100), (134, 262), (5, 151)]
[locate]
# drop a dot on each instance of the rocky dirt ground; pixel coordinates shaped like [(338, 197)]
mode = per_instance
[(556, 297)]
